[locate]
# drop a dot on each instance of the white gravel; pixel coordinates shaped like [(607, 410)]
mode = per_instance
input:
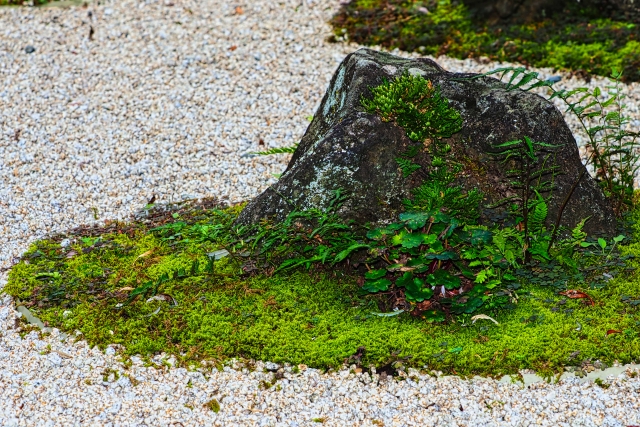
[(167, 98)]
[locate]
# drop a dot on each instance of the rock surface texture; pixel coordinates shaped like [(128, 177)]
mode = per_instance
[(349, 149)]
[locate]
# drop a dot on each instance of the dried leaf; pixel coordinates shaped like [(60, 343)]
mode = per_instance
[(63, 354), (613, 331), (391, 314), (154, 313), (576, 294), (483, 317), (149, 252), (126, 288), (163, 297)]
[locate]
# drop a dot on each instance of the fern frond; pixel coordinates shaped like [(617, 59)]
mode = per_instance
[(407, 166), (538, 211), (280, 150)]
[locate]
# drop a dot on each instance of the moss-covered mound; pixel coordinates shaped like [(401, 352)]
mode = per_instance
[(577, 40), (203, 309)]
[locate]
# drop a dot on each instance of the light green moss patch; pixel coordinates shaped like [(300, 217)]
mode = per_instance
[(315, 318)]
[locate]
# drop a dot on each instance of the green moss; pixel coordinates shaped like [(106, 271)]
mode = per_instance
[(305, 317), (214, 405), (578, 40)]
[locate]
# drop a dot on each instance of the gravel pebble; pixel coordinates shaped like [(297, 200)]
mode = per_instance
[(130, 99)]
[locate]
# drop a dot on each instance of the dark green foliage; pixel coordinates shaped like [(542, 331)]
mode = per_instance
[(532, 169), (612, 147), (303, 238), (438, 192), (578, 39), (613, 150), (407, 166), (436, 265)]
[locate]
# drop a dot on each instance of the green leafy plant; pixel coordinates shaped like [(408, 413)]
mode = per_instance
[(304, 237), (431, 265), (416, 105), (532, 171)]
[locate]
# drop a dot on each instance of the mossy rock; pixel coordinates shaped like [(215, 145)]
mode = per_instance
[(346, 148)]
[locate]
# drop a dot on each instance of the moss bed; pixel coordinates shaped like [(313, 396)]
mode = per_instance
[(578, 40), (81, 281)]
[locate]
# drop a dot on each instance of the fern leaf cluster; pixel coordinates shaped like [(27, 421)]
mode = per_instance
[(613, 149), (416, 105)]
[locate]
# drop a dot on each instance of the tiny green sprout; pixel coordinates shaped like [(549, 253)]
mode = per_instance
[(616, 240), (214, 405), (90, 241), (602, 243), (309, 118)]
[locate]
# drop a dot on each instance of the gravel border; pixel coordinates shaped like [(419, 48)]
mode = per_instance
[(121, 101)]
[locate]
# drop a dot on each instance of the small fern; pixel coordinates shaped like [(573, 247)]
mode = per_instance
[(280, 150), (437, 195), (538, 211), (407, 166), (613, 149), (532, 172), (416, 105)]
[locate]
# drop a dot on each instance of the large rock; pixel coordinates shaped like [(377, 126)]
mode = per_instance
[(347, 148)]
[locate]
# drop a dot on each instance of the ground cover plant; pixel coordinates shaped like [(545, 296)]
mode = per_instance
[(433, 289), (580, 39), (314, 317)]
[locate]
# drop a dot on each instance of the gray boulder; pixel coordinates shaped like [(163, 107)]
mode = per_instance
[(347, 148)]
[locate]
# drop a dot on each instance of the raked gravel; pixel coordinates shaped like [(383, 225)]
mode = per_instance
[(120, 101)]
